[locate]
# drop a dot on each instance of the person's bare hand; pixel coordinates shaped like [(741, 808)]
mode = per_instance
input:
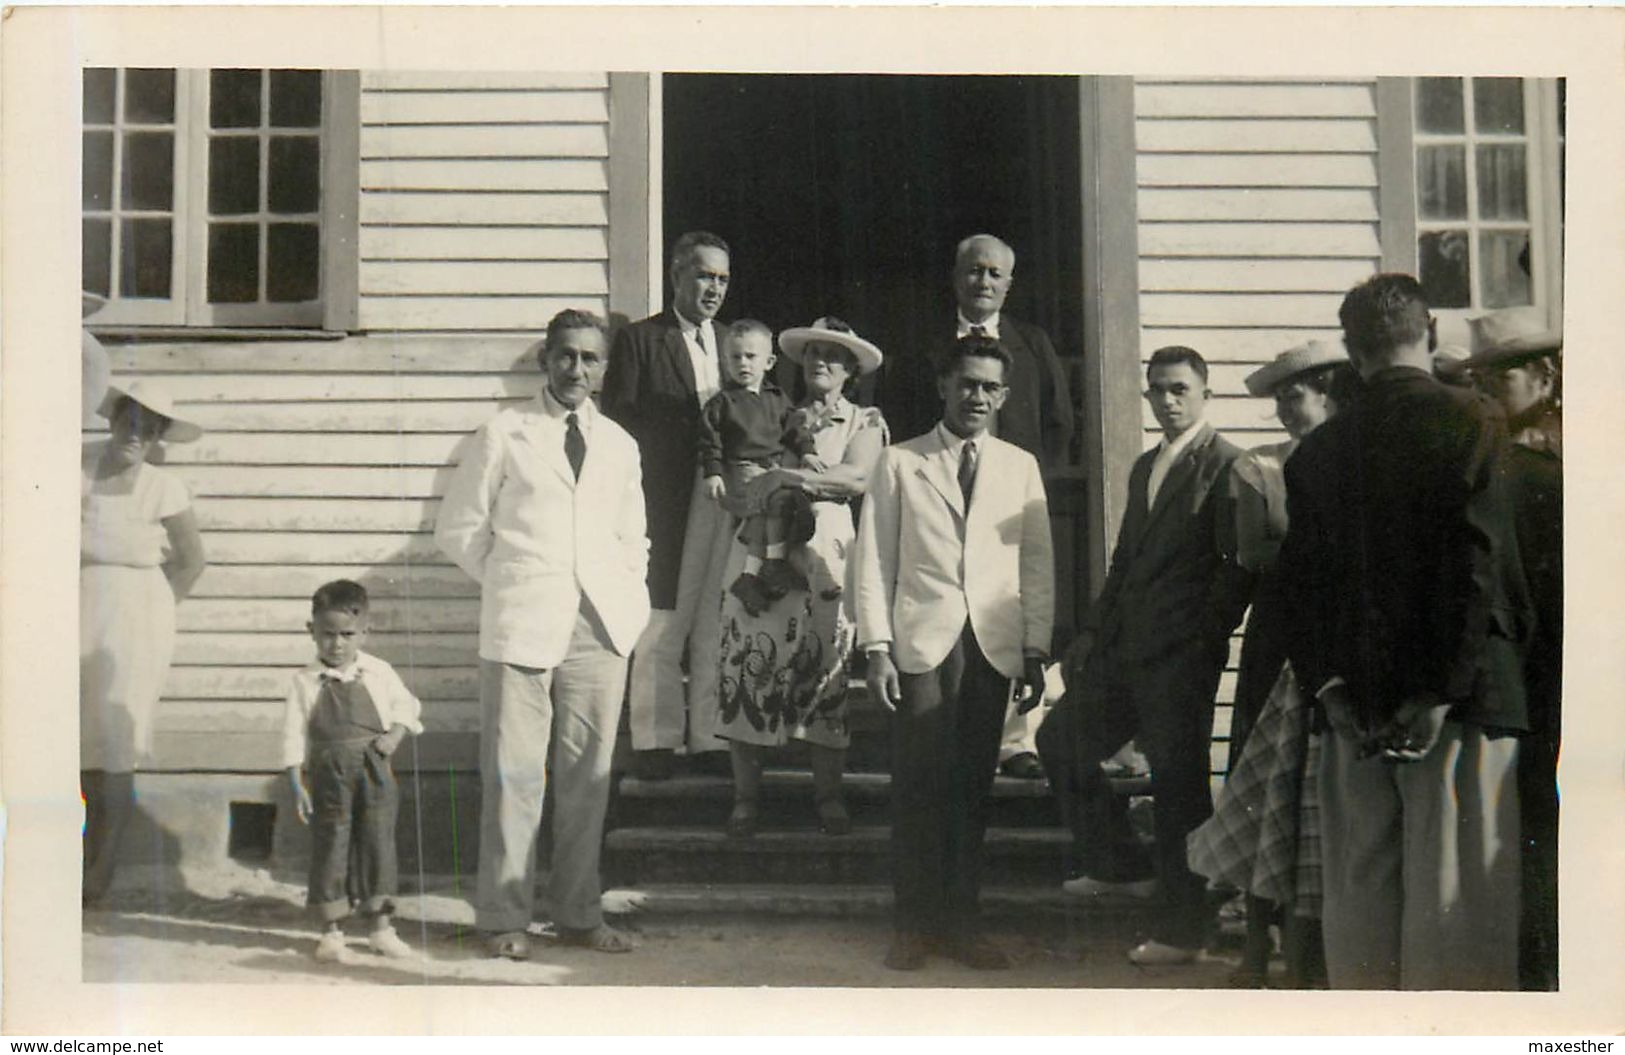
[(302, 806), (1030, 689), (715, 489), (883, 681), (1415, 729)]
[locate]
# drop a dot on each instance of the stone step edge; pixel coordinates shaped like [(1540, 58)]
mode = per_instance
[(864, 838), (796, 899), (862, 784)]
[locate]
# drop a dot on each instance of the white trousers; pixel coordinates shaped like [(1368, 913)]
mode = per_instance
[(663, 711), (1421, 865)]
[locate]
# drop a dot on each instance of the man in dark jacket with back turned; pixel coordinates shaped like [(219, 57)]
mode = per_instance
[(1409, 614)]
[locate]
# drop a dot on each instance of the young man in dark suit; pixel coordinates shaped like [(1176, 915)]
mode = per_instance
[(661, 372), (1410, 616), (1147, 666)]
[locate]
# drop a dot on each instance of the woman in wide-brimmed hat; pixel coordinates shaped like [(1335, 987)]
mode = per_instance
[(139, 554), (1517, 360), (783, 670), (1306, 382)]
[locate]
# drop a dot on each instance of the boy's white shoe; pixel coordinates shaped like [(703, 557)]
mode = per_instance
[(330, 948), (386, 942)]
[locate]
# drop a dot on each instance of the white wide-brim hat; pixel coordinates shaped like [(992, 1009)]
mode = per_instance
[(1292, 362), (155, 399), (1511, 334), (793, 340)]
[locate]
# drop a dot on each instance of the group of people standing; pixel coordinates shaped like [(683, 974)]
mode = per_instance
[(1398, 701)]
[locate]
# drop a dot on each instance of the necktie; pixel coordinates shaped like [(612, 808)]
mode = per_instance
[(575, 444), (978, 330), (967, 471)]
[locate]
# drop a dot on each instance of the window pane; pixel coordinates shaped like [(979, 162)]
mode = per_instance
[(149, 96), (234, 98), (295, 176), (96, 257), (97, 180), (145, 256), (1502, 182), (1446, 277), (1438, 104), (234, 263), (1504, 268), (149, 171), (234, 175), (1498, 104), (99, 96), (293, 262), (1441, 182), (296, 98)]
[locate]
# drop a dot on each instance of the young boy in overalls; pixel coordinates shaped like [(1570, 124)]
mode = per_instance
[(346, 714)]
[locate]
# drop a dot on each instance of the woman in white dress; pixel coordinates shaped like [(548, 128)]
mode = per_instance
[(139, 554)]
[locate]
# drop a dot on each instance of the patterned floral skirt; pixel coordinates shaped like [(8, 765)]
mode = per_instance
[(783, 672)]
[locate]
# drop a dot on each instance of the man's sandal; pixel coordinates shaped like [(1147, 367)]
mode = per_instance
[(602, 938), (509, 945)]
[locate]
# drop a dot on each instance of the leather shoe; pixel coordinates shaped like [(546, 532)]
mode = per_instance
[(1088, 886), (1024, 766), (1156, 954), (907, 952), (653, 764), (978, 954)]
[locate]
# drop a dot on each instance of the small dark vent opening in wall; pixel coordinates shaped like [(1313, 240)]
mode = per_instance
[(251, 828)]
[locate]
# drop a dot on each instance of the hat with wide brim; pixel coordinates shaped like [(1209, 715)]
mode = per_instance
[(793, 340), (155, 399), (90, 303), (1504, 336), (1292, 362)]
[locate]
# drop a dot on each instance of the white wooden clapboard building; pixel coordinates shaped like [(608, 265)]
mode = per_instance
[(456, 213)]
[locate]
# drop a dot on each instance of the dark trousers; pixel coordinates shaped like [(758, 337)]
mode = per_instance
[(945, 747), (1537, 803), (352, 859), (1168, 706)]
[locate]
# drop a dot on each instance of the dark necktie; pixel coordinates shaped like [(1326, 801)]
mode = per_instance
[(575, 444), (967, 471)]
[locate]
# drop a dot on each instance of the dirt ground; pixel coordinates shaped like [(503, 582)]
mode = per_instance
[(239, 925)]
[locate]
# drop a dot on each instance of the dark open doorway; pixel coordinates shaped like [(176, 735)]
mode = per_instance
[(846, 194)]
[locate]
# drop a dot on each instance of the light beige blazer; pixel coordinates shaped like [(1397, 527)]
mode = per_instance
[(536, 539), (923, 566)]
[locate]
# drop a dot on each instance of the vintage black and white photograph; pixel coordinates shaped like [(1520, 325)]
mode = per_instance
[(1146, 572)]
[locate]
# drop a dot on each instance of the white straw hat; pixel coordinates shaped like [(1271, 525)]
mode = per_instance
[(829, 330), (1511, 333), (155, 399), (1291, 363)]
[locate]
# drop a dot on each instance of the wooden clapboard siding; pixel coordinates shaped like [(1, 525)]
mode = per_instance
[(1258, 208), (484, 200), (322, 460)]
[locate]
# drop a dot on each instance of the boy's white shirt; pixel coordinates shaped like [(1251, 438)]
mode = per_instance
[(395, 702)]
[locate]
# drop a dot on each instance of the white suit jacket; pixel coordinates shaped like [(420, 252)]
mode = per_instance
[(536, 539), (923, 566)]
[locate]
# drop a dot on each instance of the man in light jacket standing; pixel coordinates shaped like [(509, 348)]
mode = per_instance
[(955, 598), (546, 512)]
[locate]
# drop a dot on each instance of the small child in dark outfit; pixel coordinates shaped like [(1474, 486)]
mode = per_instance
[(346, 714), (745, 430)]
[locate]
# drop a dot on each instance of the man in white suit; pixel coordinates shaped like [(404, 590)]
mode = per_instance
[(546, 512), (955, 598)]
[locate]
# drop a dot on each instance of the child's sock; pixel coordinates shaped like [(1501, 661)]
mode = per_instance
[(753, 564), (776, 550)]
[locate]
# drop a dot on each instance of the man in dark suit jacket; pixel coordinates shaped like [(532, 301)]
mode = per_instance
[(1036, 416), (1148, 665), (1410, 615), (661, 372)]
